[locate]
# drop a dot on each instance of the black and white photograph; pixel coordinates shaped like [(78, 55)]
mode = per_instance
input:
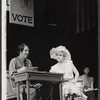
[(51, 49)]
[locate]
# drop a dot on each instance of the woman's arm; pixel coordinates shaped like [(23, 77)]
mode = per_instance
[(12, 68), (75, 72), (92, 81)]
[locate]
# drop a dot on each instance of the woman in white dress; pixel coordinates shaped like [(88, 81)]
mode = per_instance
[(66, 66)]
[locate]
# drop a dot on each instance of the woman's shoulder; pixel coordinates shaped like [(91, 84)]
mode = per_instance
[(69, 61), (14, 59), (82, 77), (54, 66), (27, 59)]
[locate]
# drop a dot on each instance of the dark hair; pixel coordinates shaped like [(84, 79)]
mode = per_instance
[(21, 47), (86, 68), (64, 54)]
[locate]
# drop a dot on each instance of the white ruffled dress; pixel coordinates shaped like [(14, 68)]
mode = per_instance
[(68, 69)]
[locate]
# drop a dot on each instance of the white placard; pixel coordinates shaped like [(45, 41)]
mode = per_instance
[(21, 12)]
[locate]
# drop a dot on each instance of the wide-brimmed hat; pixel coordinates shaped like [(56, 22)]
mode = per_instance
[(60, 48)]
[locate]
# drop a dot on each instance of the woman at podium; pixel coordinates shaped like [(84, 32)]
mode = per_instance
[(21, 63), (18, 64)]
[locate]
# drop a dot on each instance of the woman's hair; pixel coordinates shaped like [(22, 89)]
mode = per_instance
[(21, 47), (86, 68), (64, 54)]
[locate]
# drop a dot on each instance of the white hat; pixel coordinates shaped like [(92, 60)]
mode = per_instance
[(60, 48)]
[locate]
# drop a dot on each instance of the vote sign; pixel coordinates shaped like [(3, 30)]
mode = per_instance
[(21, 12)]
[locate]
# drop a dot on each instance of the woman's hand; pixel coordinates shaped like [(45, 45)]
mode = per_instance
[(66, 79), (21, 69), (88, 89), (73, 81), (37, 85)]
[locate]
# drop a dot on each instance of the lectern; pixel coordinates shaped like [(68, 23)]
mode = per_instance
[(38, 76)]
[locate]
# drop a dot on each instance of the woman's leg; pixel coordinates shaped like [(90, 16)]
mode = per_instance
[(32, 94), (44, 92)]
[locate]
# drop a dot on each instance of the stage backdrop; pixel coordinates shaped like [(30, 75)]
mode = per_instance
[(21, 12)]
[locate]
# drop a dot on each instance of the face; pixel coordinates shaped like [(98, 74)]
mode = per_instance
[(59, 56), (86, 70), (25, 52)]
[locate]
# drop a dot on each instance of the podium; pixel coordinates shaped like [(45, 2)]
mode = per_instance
[(38, 76)]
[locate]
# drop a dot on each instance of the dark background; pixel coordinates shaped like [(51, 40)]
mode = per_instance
[(83, 45), (0, 51)]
